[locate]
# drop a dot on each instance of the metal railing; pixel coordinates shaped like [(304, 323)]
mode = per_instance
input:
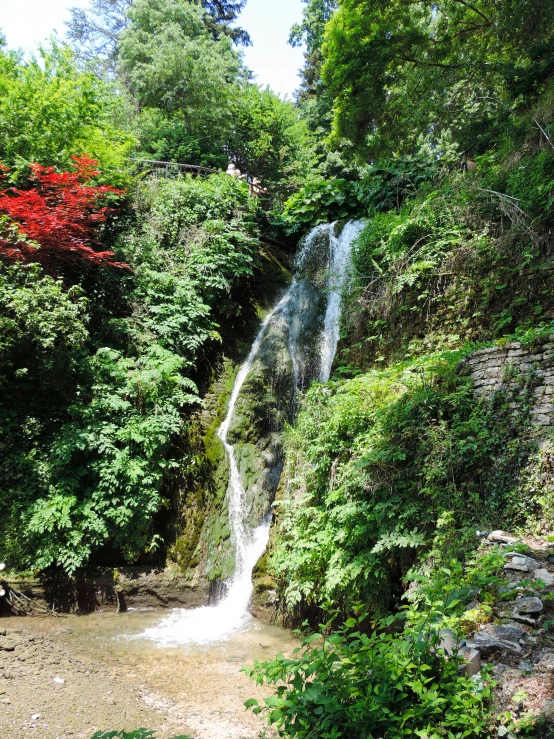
[(256, 188), (168, 166)]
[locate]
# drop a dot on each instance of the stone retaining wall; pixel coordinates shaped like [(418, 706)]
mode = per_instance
[(520, 371)]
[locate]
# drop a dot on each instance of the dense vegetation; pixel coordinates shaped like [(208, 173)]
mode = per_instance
[(115, 288), (438, 121), (431, 120)]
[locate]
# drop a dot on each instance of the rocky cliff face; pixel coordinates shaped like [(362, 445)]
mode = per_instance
[(287, 361)]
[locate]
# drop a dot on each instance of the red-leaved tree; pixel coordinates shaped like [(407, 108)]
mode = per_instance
[(60, 213)]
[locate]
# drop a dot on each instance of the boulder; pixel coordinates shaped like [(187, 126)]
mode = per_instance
[(523, 619), (510, 633), (502, 537), (529, 562), (516, 567), (528, 606), (486, 643), (546, 663), (545, 576)]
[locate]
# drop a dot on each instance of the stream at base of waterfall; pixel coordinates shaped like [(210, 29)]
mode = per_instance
[(212, 624)]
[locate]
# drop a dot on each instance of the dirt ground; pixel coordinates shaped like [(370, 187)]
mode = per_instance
[(57, 683)]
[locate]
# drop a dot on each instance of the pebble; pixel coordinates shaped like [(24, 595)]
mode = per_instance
[(35, 716), (525, 666), (550, 559)]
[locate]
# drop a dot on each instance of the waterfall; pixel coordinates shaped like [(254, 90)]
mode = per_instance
[(339, 261), (214, 623)]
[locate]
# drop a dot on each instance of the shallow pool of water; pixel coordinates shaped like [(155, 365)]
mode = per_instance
[(198, 688)]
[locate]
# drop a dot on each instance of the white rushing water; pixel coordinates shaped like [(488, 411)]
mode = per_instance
[(340, 252), (216, 623)]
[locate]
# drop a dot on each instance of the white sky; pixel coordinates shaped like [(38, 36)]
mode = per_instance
[(26, 23)]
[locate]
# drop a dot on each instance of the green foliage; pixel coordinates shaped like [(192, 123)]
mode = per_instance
[(95, 421), (269, 140), (354, 684), (372, 466), (51, 111), (384, 186), (397, 70), (43, 340), (172, 62), (107, 465), (320, 201), (446, 265), (314, 101)]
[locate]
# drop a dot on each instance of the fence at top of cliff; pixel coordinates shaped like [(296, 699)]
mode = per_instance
[(174, 169), (168, 169)]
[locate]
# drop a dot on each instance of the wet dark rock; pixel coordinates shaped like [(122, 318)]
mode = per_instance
[(550, 559)]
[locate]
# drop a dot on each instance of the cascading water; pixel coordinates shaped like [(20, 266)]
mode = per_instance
[(215, 623), (340, 250)]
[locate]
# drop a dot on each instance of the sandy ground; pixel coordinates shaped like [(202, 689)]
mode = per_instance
[(58, 680)]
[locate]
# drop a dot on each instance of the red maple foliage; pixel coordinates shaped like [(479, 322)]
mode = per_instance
[(61, 213)]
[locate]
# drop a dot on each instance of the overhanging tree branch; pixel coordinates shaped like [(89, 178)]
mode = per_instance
[(475, 10)]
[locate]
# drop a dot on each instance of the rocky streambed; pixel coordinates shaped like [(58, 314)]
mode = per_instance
[(72, 676)]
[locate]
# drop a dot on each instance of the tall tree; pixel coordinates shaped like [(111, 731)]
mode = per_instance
[(428, 66), (221, 15), (50, 110), (95, 32), (172, 62), (312, 95)]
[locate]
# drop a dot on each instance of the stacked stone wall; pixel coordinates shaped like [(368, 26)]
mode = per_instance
[(522, 372)]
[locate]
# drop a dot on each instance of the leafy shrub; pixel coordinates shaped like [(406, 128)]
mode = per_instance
[(91, 471), (320, 201), (372, 465), (61, 213), (384, 186), (51, 110), (357, 685), (443, 269)]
